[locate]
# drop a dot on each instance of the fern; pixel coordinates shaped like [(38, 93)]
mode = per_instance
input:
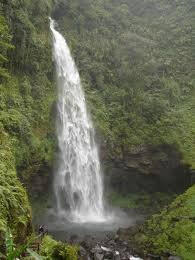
[(13, 253)]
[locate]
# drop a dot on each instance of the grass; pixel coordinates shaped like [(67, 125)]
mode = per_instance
[(191, 255), (145, 201)]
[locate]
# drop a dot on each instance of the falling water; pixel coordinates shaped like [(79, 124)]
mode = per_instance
[(78, 182)]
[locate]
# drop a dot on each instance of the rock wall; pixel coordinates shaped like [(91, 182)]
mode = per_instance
[(147, 168)]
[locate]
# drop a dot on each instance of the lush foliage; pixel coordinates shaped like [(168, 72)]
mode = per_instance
[(5, 45), (14, 207), (14, 251), (172, 230), (52, 249), (135, 59), (26, 98)]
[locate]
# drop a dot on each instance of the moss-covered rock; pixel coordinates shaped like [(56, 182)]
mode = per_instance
[(54, 250), (148, 168)]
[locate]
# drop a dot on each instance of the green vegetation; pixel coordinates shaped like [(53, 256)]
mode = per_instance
[(147, 202), (135, 59), (173, 230), (14, 207), (14, 251), (26, 97), (5, 39), (11, 252), (52, 250)]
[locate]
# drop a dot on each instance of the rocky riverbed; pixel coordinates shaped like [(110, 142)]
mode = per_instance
[(110, 248), (114, 246), (111, 240)]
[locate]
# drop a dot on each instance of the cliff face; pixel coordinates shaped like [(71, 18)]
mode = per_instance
[(27, 93), (134, 58), (148, 168)]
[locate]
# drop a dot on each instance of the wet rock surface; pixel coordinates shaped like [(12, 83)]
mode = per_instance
[(108, 245), (114, 248), (110, 248), (149, 168)]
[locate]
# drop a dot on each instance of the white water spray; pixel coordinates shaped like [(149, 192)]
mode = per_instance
[(78, 182)]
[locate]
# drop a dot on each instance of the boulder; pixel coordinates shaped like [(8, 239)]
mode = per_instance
[(174, 258), (98, 256)]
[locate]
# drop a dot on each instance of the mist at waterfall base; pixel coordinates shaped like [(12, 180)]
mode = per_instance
[(78, 184)]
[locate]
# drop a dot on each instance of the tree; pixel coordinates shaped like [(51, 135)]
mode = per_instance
[(5, 39)]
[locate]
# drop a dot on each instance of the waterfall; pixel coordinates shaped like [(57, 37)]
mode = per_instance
[(78, 185)]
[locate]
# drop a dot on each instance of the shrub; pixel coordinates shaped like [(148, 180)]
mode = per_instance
[(172, 230), (52, 249)]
